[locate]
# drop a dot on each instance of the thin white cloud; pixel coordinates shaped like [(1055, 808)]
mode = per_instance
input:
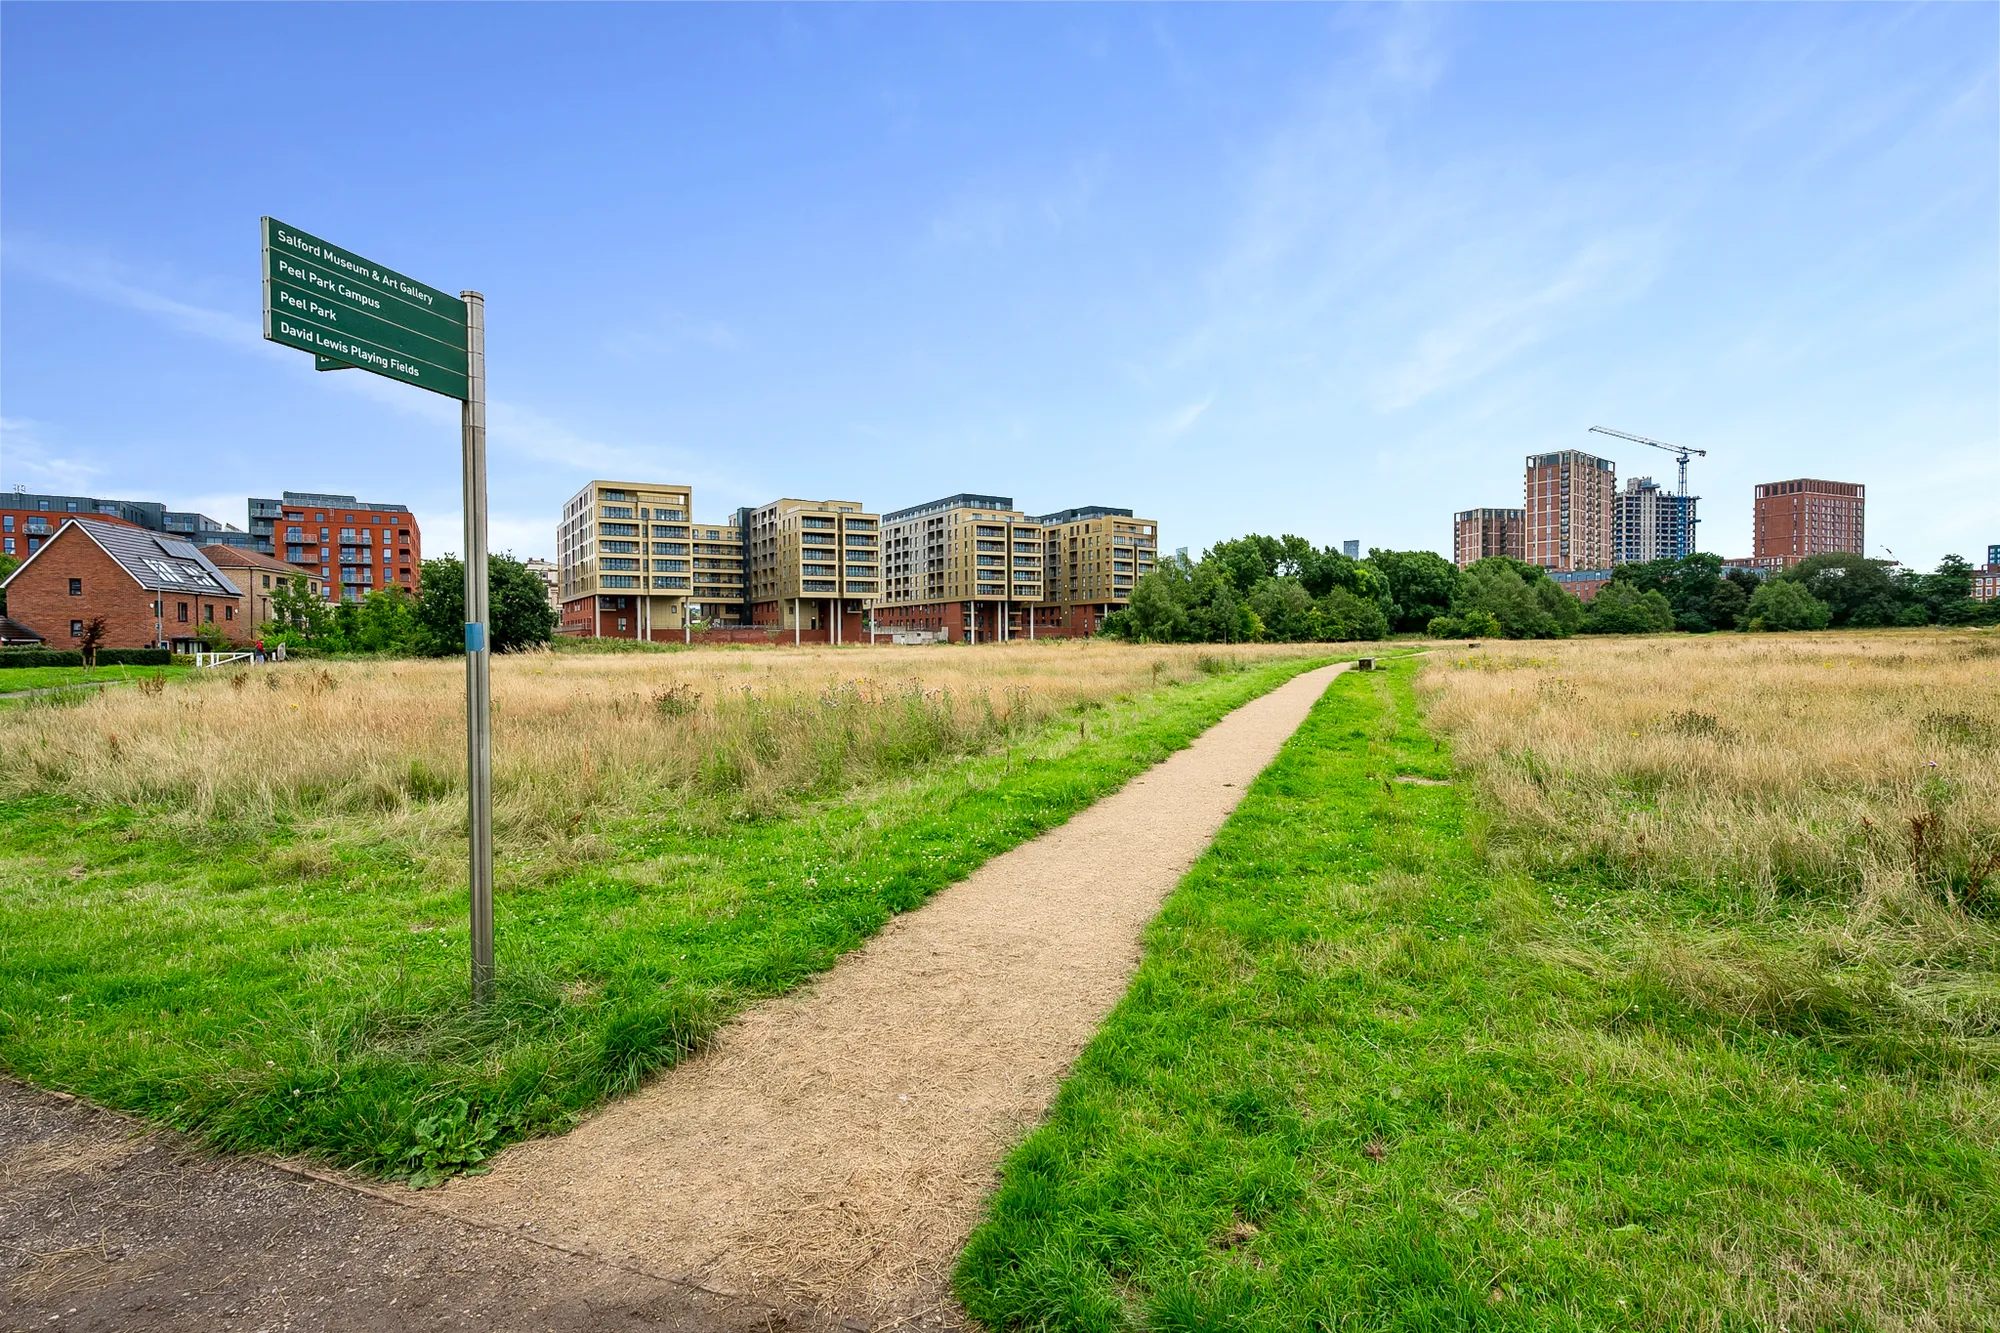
[(1181, 422), (35, 464)]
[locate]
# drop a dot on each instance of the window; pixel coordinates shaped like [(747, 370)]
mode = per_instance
[(210, 613), (181, 614), (9, 547), (267, 580), (76, 629), (76, 587), (229, 613), (7, 523)]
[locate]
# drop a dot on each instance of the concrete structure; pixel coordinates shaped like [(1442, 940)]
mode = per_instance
[(257, 576), (546, 571), (1569, 510), (27, 520), (153, 590), (1093, 557), (1479, 533), (1650, 522), (623, 567), (1792, 520), (356, 546), (814, 568), (967, 565)]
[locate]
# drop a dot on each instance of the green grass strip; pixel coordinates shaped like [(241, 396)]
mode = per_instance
[(1338, 1096), (292, 996)]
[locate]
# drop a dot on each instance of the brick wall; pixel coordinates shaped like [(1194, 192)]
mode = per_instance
[(40, 598)]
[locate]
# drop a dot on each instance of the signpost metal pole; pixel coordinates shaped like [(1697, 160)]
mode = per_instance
[(478, 654)]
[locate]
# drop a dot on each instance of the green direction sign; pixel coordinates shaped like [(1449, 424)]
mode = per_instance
[(348, 311), (363, 354)]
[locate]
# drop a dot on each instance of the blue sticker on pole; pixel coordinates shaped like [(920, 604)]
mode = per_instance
[(475, 637)]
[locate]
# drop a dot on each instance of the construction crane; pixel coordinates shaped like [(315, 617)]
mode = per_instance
[(1681, 451)]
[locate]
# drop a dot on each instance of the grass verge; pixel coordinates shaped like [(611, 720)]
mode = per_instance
[(1356, 1084), (44, 678), (282, 993)]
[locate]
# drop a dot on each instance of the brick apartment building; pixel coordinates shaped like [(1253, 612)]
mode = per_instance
[(1479, 533), (356, 546), (1792, 520), (257, 576), (1570, 510), (153, 590), (1986, 580), (27, 520)]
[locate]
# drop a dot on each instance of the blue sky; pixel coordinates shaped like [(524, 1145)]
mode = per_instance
[(1323, 270)]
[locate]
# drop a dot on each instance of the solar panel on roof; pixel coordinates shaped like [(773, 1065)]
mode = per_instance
[(177, 549)]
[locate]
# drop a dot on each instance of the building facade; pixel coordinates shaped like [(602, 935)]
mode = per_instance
[(1651, 523), (27, 520), (721, 584), (624, 569), (257, 576), (1092, 557), (1479, 533), (546, 571), (1569, 510), (1805, 517), (966, 566), (152, 590), (813, 567), (356, 546)]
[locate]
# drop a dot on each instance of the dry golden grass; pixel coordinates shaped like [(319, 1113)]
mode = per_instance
[(1829, 806), (575, 736)]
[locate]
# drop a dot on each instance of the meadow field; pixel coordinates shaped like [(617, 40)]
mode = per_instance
[(235, 902), (1604, 983)]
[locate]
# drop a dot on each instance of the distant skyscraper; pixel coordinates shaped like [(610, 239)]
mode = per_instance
[(1478, 533), (1569, 515), (1794, 519), (1650, 522), (1352, 550)]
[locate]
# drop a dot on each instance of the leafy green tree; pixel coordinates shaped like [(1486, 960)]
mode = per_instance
[(518, 607), (298, 618), (1422, 585), (1521, 598), (1285, 611), (1344, 616), (1621, 608), (1729, 604), (1858, 592), (8, 564), (386, 622), (1785, 604)]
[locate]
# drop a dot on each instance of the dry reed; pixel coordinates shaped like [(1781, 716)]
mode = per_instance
[(1826, 806), (575, 737)]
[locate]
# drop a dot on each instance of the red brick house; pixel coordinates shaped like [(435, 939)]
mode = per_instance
[(154, 591)]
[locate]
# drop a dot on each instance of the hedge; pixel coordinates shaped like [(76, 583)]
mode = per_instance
[(45, 657)]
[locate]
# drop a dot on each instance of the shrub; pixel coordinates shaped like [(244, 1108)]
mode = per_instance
[(134, 657), (1784, 604), (39, 657)]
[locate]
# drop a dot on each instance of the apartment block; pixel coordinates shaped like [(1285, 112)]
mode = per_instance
[(27, 520), (967, 565), (355, 546), (1805, 517), (814, 567), (1651, 523), (1479, 533), (1569, 510), (1092, 558), (721, 583), (624, 568)]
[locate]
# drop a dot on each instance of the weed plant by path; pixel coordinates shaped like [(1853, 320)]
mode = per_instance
[(269, 993), (1343, 1094)]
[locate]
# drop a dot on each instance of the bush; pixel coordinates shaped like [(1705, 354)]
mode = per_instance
[(1784, 604), (38, 657), (1620, 608), (134, 657)]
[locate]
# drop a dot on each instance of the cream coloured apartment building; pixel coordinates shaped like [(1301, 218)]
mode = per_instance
[(814, 567), (624, 563), (1092, 557), (967, 566)]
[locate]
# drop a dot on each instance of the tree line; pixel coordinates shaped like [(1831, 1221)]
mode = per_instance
[(431, 624), (1286, 590)]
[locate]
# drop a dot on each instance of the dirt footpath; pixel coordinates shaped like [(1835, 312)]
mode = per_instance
[(832, 1149), (105, 1225)]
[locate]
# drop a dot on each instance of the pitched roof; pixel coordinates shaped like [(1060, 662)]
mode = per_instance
[(238, 557), (158, 563), (13, 631)]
